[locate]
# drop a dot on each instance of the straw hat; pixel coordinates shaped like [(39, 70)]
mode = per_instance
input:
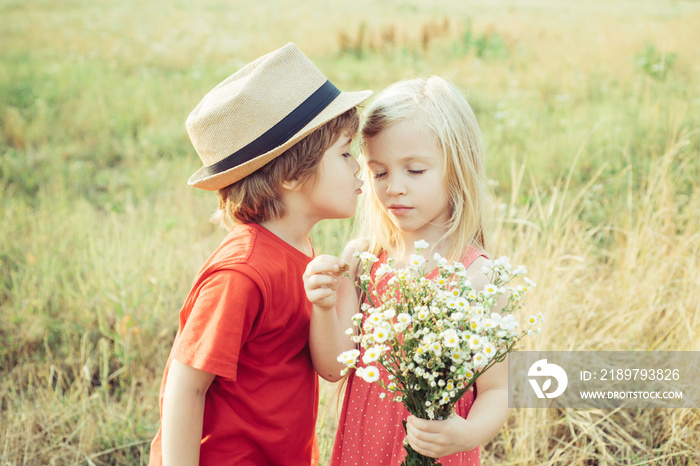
[(259, 112)]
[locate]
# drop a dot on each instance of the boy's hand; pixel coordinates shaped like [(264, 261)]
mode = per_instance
[(321, 280), (439, 438)]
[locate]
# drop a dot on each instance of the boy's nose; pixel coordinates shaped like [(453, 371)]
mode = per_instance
[(355, 167)]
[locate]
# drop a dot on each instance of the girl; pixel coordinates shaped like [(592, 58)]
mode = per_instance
[(423, 152)]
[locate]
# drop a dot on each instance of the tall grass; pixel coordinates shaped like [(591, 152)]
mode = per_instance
[(591, 116)]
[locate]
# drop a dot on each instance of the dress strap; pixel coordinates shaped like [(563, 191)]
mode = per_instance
[(472, 254)]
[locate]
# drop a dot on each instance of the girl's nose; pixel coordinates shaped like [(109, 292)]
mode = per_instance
[(395, 187)]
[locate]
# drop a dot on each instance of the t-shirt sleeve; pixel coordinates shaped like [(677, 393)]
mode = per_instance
[(221, 319)]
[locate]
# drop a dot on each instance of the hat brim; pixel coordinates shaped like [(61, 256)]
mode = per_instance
[(344, 102)]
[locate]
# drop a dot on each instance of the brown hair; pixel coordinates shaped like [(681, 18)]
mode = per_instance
[(256, 198)]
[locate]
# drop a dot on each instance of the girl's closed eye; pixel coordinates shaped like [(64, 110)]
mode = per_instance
[(417, 172), (378, 175), (347, 154)]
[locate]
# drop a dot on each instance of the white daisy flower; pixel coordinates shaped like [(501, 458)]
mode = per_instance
[(368, 257), (488, 349), (382, 270), (457, 356), (488, 324), (474, 342), (530, 282), (450, 338), (416, 260), (490, 289), (400, 328), (349, 357), (504, 262), (381, 334), (421, 244), (369, 374), (373, 354)]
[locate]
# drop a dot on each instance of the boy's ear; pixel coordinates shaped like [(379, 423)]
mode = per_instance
[(292, 185)]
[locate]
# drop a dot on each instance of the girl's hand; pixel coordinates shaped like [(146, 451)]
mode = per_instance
[(436, 439), (321, 280)]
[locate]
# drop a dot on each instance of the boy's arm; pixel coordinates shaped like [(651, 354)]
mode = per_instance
[(334, 300), (183, 413)]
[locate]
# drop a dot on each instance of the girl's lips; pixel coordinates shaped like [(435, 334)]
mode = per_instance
[(400, 209)]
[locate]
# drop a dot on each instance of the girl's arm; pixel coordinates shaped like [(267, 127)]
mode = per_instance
[(334, 300), (183, 413)]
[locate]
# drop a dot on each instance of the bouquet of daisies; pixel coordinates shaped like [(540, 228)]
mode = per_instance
[(433, 333)]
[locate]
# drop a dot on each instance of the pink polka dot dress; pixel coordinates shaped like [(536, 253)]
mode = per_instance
[(370, 429)]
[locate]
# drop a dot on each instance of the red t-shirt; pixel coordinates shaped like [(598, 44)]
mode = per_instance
[(246, 320)]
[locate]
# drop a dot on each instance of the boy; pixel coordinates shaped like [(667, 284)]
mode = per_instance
[(239, 387)]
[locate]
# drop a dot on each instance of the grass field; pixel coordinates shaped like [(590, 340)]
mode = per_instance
[(590, 110)]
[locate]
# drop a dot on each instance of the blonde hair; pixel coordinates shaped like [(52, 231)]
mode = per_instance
[(256, 198), (440, 106)]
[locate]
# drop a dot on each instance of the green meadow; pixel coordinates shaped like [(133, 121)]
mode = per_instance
[(590, 111)]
